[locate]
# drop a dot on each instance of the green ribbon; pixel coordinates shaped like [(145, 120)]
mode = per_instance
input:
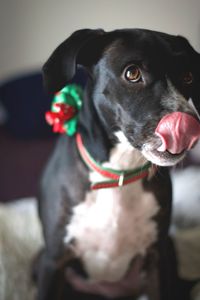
[(72, 95)]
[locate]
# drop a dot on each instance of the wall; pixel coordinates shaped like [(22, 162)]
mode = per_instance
[(31, 29)]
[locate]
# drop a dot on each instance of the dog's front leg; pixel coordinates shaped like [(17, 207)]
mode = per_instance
[(50, 279), (168, 276), (54, 210), (161, 272), (162, 283), (152, 286)]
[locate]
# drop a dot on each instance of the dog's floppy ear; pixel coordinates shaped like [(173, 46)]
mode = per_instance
[(61, 66)]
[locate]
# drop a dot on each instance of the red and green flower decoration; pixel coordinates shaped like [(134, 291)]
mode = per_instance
[(66, 104)]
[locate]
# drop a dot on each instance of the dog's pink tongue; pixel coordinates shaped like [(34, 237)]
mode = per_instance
[(178, 131)]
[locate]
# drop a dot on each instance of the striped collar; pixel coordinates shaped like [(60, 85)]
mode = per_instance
[(115, 178)]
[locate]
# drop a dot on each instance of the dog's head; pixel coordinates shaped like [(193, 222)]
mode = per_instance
[(142, 83)]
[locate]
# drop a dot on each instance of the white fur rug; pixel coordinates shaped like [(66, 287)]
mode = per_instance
[(20, 237), (186, 223)]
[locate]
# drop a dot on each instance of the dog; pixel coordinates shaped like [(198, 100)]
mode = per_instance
[(136, 109)]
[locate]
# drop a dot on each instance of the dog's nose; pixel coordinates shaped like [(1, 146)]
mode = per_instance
[(178, 131)]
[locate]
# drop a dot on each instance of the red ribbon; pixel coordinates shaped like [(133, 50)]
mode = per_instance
[(57, 119)]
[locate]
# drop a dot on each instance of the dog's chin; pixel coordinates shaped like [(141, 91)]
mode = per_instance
[(164, 159)]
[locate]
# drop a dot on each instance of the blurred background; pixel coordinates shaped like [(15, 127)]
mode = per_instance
[(29, 32)]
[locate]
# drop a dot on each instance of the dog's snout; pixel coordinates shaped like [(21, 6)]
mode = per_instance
[(178, 131)]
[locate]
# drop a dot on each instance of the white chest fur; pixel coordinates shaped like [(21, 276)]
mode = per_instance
[(111, 227)]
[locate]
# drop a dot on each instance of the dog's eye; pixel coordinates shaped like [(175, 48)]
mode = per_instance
[(187, 78), (132, 73)]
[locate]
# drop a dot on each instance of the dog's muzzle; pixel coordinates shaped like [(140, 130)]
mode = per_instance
[(178, 132)]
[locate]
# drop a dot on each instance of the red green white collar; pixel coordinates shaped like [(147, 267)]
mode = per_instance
[(115, 178)]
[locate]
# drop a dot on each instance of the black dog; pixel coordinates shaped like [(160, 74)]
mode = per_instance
[(137, 80)]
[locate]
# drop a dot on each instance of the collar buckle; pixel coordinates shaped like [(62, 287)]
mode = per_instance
[(121, 180)]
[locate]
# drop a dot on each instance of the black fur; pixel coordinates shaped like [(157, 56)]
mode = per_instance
[(111, 104)]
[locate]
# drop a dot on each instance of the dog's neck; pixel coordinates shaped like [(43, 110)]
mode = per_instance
[(94, 135), (123, 156)]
